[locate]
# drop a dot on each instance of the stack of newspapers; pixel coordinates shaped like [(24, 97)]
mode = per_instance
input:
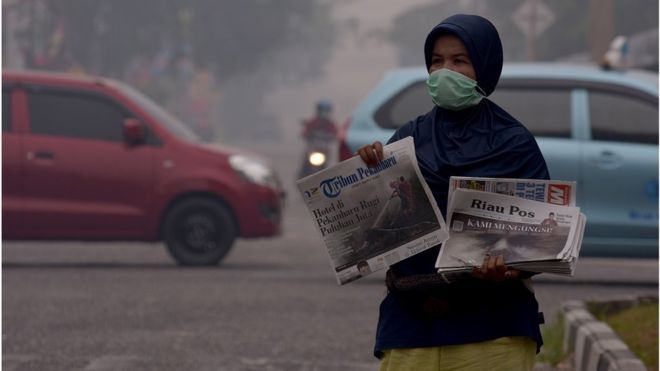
[(533, 224)]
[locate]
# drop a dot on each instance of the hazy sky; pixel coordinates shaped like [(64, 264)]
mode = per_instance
[(339, 56)]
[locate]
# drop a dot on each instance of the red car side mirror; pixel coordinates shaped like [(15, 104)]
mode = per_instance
[(134, 132)]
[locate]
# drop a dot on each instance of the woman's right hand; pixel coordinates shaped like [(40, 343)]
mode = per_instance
[(371, 154), (494, 269)]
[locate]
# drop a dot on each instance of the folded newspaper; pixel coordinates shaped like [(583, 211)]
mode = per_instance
[(534, 224), (558, 192), (372, 217)]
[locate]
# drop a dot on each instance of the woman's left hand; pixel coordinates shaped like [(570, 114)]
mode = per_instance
[(494, 269)]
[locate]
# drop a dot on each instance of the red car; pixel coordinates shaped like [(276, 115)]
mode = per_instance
[(88, 158)]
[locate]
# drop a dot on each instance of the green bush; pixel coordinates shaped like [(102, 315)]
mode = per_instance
[(552, 351), (638, 328)]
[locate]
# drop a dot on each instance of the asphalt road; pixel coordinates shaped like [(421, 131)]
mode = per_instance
[(272, 305)]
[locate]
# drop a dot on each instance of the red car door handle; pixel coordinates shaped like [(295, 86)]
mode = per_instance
[(44, 155)]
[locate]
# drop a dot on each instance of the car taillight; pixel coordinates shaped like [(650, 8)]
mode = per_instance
[(344, 151)]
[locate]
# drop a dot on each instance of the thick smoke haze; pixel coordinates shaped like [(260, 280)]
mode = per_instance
[(252, 70)]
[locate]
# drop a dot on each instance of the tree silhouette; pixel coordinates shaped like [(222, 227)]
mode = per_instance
[(248, 46), (228, 37)]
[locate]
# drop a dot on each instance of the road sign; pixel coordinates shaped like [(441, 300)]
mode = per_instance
[(533, 17)]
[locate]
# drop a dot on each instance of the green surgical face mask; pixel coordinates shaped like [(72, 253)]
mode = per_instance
[(452, 90)]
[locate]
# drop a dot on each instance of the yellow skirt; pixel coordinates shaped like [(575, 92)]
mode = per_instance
[(506, 354)]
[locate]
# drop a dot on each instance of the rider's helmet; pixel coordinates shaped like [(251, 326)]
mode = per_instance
[(323, 108)]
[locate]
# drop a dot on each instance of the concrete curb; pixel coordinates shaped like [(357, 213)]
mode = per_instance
[(594, 344)]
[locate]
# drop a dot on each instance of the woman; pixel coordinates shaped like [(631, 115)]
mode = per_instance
[(491, 321)]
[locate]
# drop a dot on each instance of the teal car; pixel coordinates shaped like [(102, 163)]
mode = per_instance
[(598, 127)]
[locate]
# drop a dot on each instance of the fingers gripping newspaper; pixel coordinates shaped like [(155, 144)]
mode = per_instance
[(533, 224), (372, 217)]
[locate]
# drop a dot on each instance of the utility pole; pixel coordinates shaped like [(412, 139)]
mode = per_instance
[(600, 31), (531, 35), (11, 53)]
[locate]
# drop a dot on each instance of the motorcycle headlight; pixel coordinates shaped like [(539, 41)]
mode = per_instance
[(316, 158), (254, 171)]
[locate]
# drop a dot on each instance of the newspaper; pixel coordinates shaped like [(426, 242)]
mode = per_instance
[(372, 217), (558, 192), (531, 235)]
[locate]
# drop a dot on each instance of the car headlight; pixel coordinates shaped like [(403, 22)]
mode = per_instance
[(254, 171)]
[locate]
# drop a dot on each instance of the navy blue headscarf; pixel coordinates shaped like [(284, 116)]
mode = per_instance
[(483, 140), (482, 42)]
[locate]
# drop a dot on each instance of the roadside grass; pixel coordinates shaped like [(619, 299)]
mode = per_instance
[(552, 351), (638, 329)]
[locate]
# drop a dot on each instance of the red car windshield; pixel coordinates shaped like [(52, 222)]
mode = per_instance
[(168, 121)]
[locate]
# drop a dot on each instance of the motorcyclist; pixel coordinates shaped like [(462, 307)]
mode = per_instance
[(318, 132), (321, 124)]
